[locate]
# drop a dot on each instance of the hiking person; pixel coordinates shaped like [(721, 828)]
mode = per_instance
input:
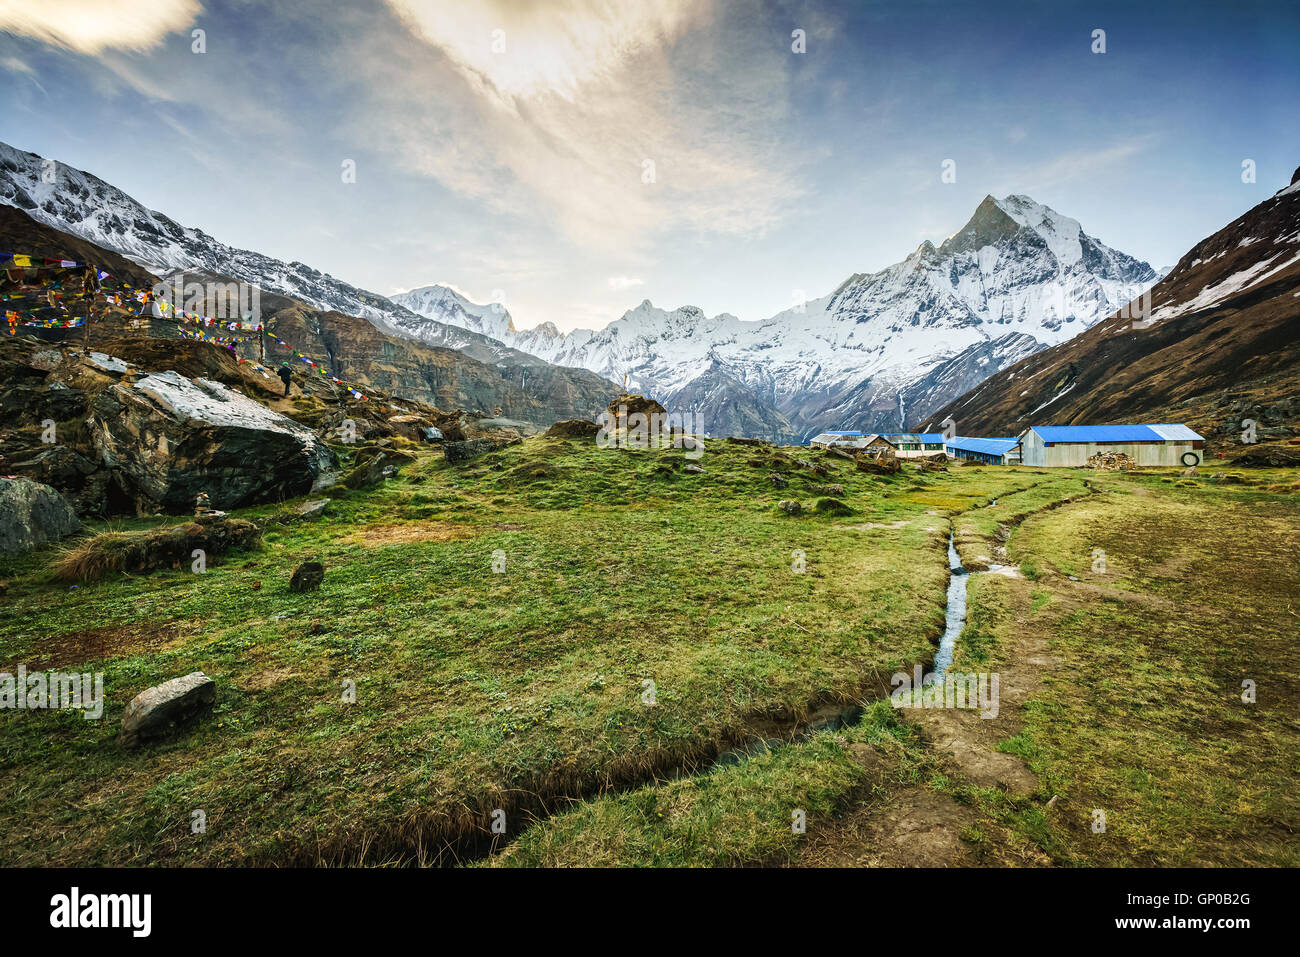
[(285, 375)]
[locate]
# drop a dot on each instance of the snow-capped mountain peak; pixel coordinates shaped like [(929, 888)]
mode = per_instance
[(444, 303), (1016, 278)]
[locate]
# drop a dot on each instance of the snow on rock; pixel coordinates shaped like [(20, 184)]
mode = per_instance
[(168, 438)]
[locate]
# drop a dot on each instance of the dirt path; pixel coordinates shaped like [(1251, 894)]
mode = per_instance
[(918, 826)]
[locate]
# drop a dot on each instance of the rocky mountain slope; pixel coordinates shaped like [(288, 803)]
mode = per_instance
[(1222, 343), (347, 346), (92, 210), (880, 350)]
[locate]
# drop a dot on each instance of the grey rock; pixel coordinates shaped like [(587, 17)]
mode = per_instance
[(307, 577), (312, 510), (160, 710), (457, 452), (167, 438), (694, 469), (790, 507), (32, 514)]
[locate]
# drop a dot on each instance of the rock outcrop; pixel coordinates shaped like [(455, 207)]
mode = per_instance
[(168, 438), (32, 514)]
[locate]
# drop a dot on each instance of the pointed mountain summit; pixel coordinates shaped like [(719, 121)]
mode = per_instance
[(1221, 343), (882, 348)]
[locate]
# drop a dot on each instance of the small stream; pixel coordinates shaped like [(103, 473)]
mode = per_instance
[(956, 615)]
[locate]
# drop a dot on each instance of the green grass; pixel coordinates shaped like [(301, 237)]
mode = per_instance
[(1142, 717), (475, 690), (523, 691)]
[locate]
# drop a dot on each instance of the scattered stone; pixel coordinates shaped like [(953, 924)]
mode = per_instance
[(573, 429), (778, 480), (162, 709), (790, 507), (376, 466), (693, 469), (307, 577), (1191, 472), (458, 452), (832, 489), (431, 435), (1110, 462), (312, 510), (32, 514)]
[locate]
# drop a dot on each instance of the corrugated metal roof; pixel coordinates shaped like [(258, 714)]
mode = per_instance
[(1175, 430), (984, 446), (841, 433), (927, 438), (1114, 433)]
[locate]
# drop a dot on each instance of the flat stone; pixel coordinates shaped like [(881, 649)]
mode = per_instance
[(160, 710)]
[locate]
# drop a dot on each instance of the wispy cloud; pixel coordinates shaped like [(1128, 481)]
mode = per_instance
[(624, 282), (591, 114), (91, 26)]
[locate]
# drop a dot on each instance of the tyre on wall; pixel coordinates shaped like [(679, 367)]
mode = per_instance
[(1196, 459)]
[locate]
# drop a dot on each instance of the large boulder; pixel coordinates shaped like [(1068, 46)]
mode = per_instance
[(83, 482), (162, 709), (573, 429), (168, 438), (32, 514), (458, 452), (628, 405)]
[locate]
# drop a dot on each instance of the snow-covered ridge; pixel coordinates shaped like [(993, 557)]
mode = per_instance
[(84, 205), (1018, 277)]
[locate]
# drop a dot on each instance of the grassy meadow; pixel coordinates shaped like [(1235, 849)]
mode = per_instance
[(620, 662)]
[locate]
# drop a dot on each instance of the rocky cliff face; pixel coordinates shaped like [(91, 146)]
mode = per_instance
[(881, 350), (1222, 343)]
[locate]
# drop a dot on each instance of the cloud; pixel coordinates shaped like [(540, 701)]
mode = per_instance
[(15, 65), (92, 26), (625, 282), (1084, 163), (550, 113)]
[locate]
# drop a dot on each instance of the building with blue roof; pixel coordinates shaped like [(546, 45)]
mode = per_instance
[(1002, 451), (914, 444), (1169, 445)]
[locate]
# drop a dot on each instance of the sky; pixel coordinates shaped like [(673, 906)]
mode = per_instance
[(572, 158)]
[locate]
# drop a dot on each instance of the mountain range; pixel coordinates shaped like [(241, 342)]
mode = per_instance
[(86, 207), (881, 349)]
